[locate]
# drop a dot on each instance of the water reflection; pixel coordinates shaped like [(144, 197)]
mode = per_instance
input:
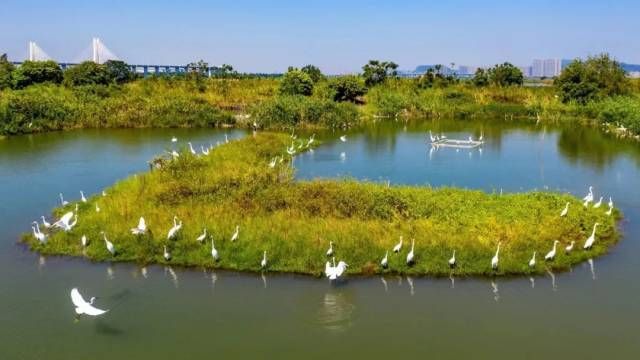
[(495, 290), (453, 281), (411, 289), (143, 272), (110, 273), (532, 280), (384, 283), (264, 280), (593, 271), (172, 274), (553, 280), (336, 312)]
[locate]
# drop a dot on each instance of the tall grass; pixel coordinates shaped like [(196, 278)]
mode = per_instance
[(294, 221)]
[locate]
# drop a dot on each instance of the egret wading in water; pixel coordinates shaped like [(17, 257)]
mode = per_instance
[(551, 254), (452, 260), (396, 249), (214, 252), (263, 263), (236, 233), (385, 260), (569, 247), (108, 244), (343, 138), (173, 232), (202, 236), (495, 259), (63, 202), (330, 250), (565, 210), (410, 257), (532, 262), (84, 307), (589, 243), (141, 229), (334, 272)]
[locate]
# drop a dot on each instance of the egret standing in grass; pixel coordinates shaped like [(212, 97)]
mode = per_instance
[(193, 151), (202, 236), (396, 249), (84, 307), (330, 250), (551, 254), (495, 259), (84, 241), (385, 260), (173, 232), (166, 254), (82, 198), (598, 204), (452, 260), (410, 257), (141, 229), (589, 243), (63, 223), (569, 247), (37, 234), (565, 210), (214, 252), (108, 244), (45, 223), (589, 197), (263, 263), (532, 262), (63, 202), (236, 233)]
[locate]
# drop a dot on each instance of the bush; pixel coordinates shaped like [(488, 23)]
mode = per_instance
[(480, 78), (291, 111), (296, 82), (347, 88), (376, 72), (505, 75), (87, 73), (6, 68), (314, 73), (35, 72), (596, 78), (119, 71), (621, 110)]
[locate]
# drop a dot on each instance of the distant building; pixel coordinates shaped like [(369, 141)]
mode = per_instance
[(526, 71), (546, 67), (466, 70)]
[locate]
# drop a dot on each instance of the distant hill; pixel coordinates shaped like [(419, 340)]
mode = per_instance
[(630, 67)]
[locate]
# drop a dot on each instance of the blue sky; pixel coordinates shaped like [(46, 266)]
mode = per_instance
[(338, 36)]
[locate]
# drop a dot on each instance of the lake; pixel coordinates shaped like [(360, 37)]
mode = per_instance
[(160, 312)]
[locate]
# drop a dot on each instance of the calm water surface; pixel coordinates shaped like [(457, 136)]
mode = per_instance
[(167, 313)]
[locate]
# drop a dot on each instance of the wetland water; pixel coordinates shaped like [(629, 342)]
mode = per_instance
[(166, 313)]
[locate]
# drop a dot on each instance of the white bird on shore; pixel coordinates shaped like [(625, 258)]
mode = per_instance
[(70, 226), (214, 251), (175, 154), (108, 244), (141, 229), (610, 203), (589, 197), (272, 163), (37, 234), (565, 210), (202, 236), (330, 250), (598, 204), (495, 259), (532, 262), (174, 139), (193, 151), (569, 247), (204, 151), (236, 233), (45, 223), (385, 260), (84, 307), (291, 150), (343, 138), (263, 263), (84, 241), (396, 249), (551, 254), (610, 211), (481, 138), (226, 138), (311, 140), (62, 201), (63, 223), (334, 272), (589, 243), (82, 198), (166, 254), (410, 254), (104, 193), (173, 232), (97, 208), (452, 260)]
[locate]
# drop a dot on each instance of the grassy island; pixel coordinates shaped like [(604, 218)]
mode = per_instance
[(294, 221)]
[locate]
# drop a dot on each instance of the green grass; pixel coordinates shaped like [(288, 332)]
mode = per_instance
[(295, 220)]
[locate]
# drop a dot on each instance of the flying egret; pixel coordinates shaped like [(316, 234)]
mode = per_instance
[(263, 263), (193, 151), (396, 249), (202, 236), (569, 247), (141, 229), (551, 254), (108, 244), (236, 233), (598, 204), (37, 234), (173, 232), (62, 201), (452, 260), (494, 259), (214, 252), (84, 307), (565, 210), (385, 260), (330, 250), (343, 138), (82, 198), (166, 254), (84, 241), (45, 223), (410, 254), (589, 243), (532, 262)]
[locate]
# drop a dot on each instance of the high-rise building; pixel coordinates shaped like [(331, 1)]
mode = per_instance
[(537, 69), (551, 67), (526, 71)]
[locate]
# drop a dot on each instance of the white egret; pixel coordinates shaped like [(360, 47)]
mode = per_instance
[(37, 234), (84, 241), (532, 262), (334, 272), (410, 254), (62, 201), (193, 151), (330, 250), (84, 307), (204, 151), (598, 204), (202, 236), (343, 138), (173, 232), (141, 229), (72, 224), (174, 139), (108, 244), (236, 233), (481, 138), (569, 247), (495, 259), (609, 212), (82, 198), (311, 140), (272, 163), (385, 260), (396, 249), (610, 203), (166, 254), (291, 150), (226, 138), (433, 139), (263, 263), (214, 252), (63, 223), (174, 153), (565, 210), (97, 208), (104, 193), (589, 197), (452, 260), (589, 243), (551, 254), (45, 223)]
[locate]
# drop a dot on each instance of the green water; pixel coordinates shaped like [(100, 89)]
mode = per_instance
[(161, 313)]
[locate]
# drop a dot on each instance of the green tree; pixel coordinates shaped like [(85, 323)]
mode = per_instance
[(347, 88), (505, 75), (296, 82), (480, 78), (119, 71), (314, 72), (6, 68), (376, 72), (34, 72), (87, 73), (596, 78)]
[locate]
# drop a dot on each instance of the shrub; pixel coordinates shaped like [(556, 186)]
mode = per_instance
[(347, 88), (87, 73), (296, 82), (290, 111), (376, 72), (596, 78), (505, 75), (6, 68), (314, 73), (35, 72)]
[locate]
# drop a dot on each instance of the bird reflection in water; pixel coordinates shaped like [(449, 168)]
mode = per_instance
[(410, 282), (336, 312), (553, 280), (496, 293), (532, 281), (110, 274), (453, 281), (143, 271), (264, 280), (384, 282), (593, 270), (214, 278), (42, 262), (172, 274)]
